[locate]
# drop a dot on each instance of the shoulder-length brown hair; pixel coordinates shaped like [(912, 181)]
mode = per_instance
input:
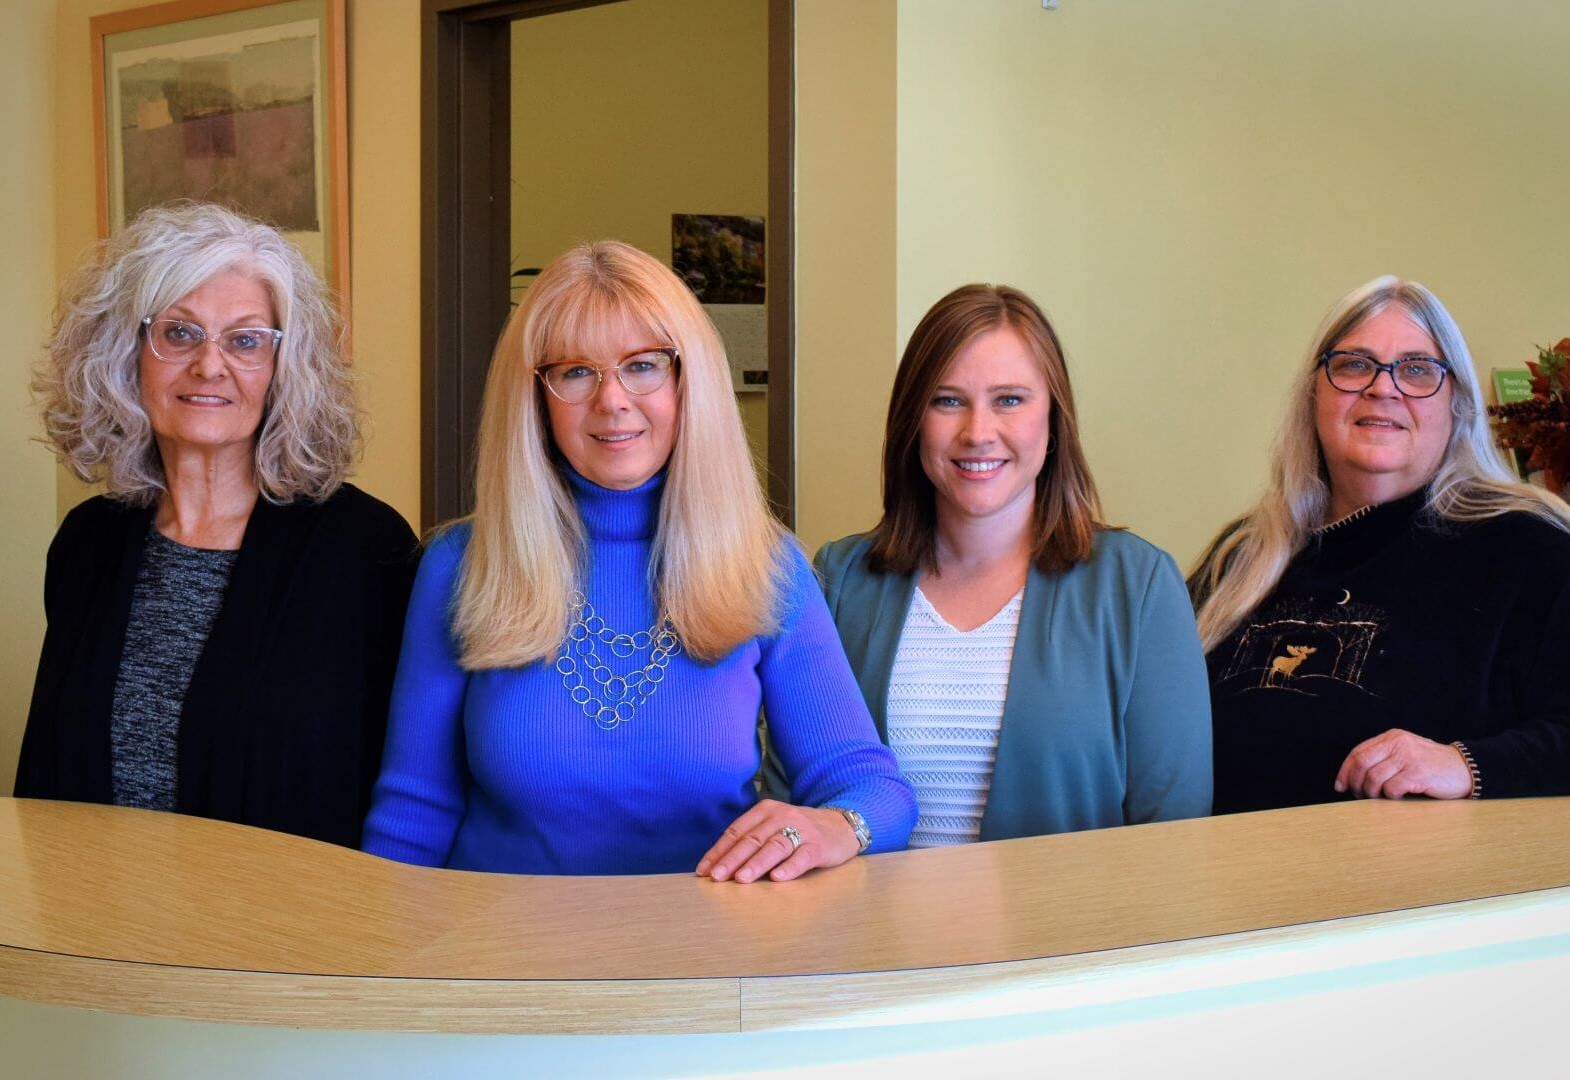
[(1067, 508)]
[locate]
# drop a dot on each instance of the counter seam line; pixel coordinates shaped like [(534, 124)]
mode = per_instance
[(381, 978), (713, 978)]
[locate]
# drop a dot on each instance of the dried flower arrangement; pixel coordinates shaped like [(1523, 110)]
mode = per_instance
[(1541, 424)]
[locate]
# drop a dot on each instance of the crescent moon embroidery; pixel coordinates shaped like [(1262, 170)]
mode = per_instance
[(1346, 595)]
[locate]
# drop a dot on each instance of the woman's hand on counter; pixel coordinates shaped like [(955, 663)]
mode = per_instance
[(1399, 763), (757, 843)]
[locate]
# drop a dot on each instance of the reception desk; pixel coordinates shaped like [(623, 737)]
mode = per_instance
[(1119, 946)]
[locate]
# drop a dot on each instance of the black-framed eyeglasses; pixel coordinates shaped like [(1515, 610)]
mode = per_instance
[(1414, 376), (641, 372), (175, 341)]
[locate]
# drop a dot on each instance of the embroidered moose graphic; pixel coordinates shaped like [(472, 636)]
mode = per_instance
[(1286, 666)]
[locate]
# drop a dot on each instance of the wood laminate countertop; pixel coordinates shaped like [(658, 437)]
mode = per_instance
[(154, 913)]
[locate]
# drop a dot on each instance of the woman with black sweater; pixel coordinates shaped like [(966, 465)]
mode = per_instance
[(1392, 618), (223, 622)]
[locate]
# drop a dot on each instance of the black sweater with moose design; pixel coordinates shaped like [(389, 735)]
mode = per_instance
[(1397, 619)]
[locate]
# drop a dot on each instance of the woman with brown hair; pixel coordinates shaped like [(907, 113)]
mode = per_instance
[(1033, 670)]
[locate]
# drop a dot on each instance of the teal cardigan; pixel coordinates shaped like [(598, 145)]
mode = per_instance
[(1107, 714)]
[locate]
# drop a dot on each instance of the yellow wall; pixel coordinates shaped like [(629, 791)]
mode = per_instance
[(845, 280), (1187, 187), (27, 212), (76, 216), (627, 113), (384, 219), (384, 125)]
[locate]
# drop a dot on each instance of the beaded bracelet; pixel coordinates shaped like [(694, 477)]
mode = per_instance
[(1471, 764)]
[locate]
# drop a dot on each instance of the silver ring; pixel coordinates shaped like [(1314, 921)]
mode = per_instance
[(789, 832)]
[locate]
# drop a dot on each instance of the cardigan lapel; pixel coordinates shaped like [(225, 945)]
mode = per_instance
[(871, 611), (1023, 740), (87, 697), (215, 732), (875, 607)]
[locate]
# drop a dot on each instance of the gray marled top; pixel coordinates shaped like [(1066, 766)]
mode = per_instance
[(178, 593)]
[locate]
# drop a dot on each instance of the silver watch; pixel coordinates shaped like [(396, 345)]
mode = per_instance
[(859, 824)]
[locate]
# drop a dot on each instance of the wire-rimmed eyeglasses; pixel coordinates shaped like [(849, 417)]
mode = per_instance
[(175, 341), (641, 372), (1414, 376)]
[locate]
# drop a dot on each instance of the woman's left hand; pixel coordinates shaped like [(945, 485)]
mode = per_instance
[(756, 843), (1400, 763)]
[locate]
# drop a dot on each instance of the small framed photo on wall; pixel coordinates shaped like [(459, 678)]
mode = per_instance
[(721, 257), (238, 102)]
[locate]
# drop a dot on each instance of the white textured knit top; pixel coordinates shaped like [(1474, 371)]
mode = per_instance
[(945, 710)]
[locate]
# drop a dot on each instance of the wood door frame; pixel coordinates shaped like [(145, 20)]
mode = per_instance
[(466, 227)]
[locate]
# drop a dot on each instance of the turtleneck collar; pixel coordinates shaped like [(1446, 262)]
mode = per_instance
[(617, 515)]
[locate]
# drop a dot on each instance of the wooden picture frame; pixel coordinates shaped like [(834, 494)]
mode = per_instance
[(241, 102)]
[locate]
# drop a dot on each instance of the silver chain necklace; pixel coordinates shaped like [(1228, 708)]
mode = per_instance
[(619, 696)]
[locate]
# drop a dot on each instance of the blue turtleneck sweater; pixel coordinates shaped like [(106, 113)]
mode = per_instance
[(502, 770)]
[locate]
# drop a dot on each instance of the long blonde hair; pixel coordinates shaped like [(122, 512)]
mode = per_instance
[(1244, 563), (717, 562)]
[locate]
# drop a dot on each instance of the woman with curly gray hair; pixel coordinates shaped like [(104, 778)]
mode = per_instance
[(223, 623)]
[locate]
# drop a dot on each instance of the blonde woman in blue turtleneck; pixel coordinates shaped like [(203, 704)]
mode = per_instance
[(584, 658)]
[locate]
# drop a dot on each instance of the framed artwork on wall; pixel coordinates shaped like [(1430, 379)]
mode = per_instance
[(239, 102)]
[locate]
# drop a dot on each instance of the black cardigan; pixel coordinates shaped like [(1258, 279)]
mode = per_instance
[(283, 721)]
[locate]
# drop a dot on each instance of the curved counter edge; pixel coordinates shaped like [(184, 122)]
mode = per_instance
[(1387, 947)]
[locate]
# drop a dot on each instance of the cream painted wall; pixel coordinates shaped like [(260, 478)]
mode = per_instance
[(1187, 187), (845, 260), (384, 222), (27, 213), (626, 113), (384, 124), (76, 217)]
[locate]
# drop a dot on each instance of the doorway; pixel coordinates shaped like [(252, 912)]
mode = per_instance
[(493, 211)]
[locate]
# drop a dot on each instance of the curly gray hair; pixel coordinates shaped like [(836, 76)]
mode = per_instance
[(89, 386)]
